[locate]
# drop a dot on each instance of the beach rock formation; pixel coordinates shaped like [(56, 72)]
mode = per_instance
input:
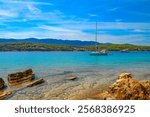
[(6, 94), (27, 78), (146, 84), (36, 82), (127, 88), (21, 77), (2, 83)]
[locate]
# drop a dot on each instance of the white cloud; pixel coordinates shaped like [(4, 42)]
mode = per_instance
[(58, 29), (93, 15), (21, 10), (139, 30), (25, 2), (132, 39), (107, 26), (123, 25), (33, 9), (7, 13), (50, 32)]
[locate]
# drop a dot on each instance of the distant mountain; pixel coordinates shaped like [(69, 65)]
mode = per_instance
[(52, 41)]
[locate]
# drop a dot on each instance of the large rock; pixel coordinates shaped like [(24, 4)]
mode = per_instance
[(21, 77), (127, 88), (2, 83)]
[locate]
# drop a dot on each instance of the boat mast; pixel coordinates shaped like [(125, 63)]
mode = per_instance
[(96, 36)]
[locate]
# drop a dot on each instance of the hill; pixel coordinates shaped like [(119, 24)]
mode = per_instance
[(52, 41), (118, 47), (28, 46)]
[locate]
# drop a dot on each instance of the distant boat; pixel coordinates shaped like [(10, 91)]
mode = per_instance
[(97, 52), (125, 50)]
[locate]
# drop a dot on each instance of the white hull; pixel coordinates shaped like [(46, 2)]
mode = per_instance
[(96, 53)]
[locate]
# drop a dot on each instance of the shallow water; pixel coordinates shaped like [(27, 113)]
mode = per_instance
[(95, 73)]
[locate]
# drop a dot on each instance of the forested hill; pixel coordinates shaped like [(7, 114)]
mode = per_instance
[(28, 46)]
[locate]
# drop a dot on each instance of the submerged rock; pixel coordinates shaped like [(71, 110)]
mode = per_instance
[(21, 77)]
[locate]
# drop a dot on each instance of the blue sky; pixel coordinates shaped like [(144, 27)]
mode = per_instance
[(119, 21)]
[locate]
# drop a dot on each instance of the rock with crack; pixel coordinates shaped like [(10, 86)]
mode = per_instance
[(21, 77), (127, 88)]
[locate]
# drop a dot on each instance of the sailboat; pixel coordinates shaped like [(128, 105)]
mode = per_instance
[(125, 50), (97, 52)]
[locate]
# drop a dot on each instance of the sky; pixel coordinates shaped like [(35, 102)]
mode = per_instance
[(119, 21)]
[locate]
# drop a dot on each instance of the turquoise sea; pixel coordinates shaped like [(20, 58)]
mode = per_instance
[(55, 66)]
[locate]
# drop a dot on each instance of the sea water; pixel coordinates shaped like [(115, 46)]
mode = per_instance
[(55, 66)]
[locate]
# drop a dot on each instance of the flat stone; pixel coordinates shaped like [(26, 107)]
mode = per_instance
[(72, 77), (36, 82)]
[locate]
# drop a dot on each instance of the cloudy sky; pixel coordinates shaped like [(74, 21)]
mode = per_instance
[(119, 21)]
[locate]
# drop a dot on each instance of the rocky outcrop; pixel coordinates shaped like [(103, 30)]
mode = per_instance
[(6, 94), (2, 83), (27, 78), (127, 88), (3, 94), (146, 84), (21, 77)]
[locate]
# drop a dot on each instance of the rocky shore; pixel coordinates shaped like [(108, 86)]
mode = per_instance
[(17, 81), (126, 88), (73, 87)]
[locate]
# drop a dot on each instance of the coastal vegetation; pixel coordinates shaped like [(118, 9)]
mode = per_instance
[(28, 46), (118, 47)]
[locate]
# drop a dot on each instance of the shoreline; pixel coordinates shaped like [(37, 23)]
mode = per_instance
[(70, 51), (86, 86)]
